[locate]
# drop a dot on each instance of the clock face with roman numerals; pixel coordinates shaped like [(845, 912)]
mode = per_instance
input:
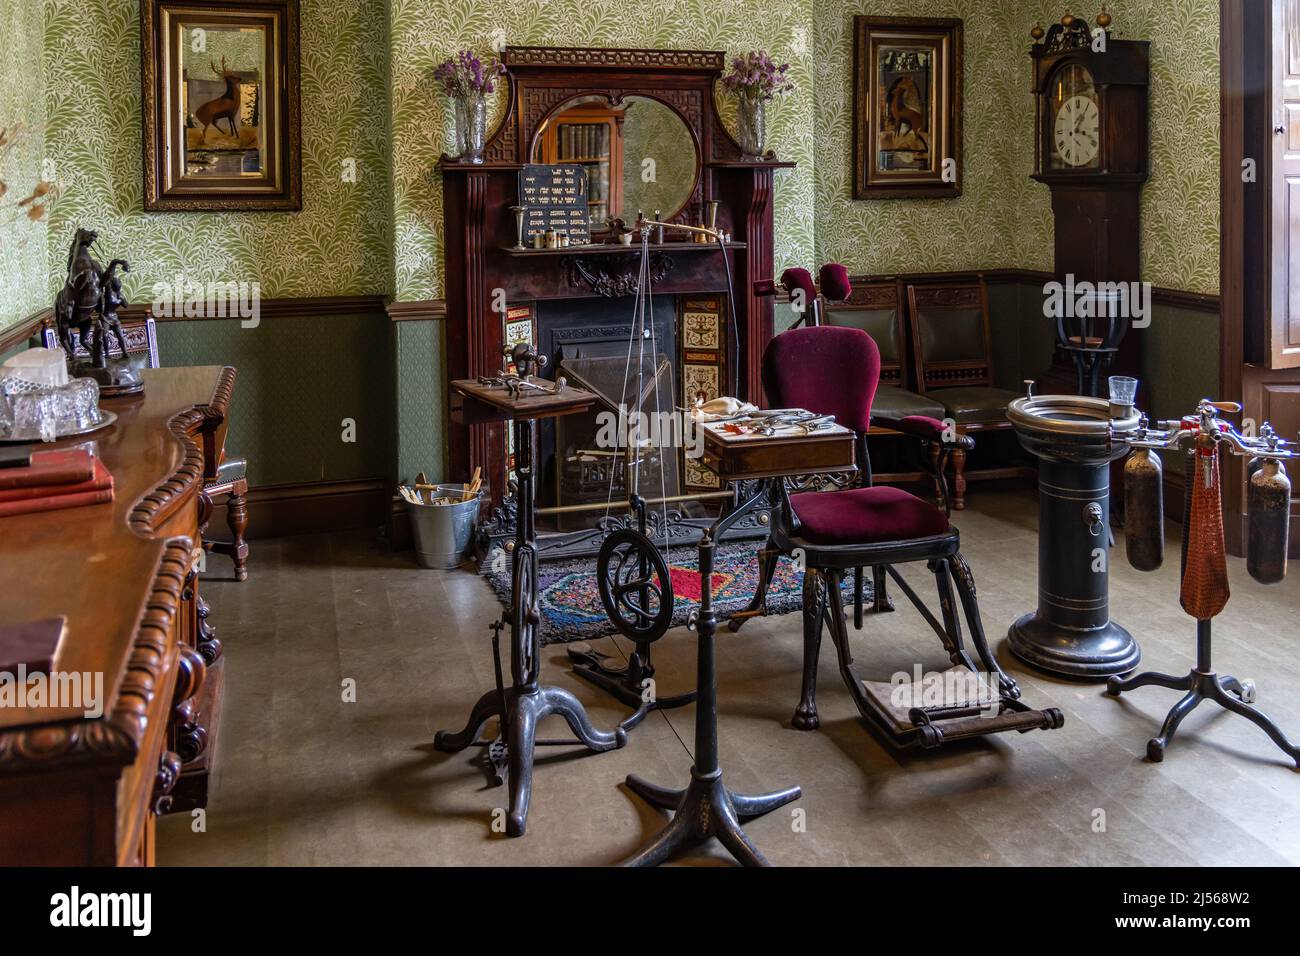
[(1075, 133)]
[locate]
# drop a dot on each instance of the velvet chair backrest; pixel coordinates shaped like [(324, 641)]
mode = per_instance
[(827, 370)]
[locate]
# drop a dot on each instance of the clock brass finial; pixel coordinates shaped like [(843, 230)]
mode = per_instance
[(1103, 18), (1037, 32), (1067, 19)]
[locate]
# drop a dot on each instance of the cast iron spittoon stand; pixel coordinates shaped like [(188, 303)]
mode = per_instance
[(525, 703), (1075, 439), (1204, 591)]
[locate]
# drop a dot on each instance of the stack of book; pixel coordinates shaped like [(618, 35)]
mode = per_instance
[(51, 479)]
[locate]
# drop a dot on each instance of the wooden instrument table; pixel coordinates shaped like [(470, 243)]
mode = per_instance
[(79, 790), (522, 706), (706, 808)]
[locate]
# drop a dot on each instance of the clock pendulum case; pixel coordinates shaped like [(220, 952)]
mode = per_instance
[(1091, 149)]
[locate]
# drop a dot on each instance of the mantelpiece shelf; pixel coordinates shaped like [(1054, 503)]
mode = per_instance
[(611, 249)]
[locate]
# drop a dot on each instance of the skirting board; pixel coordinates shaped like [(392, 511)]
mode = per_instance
[(325, 506)]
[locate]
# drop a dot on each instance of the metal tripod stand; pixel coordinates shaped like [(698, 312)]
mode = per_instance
[(1203, 684), (706, 808), (525, 703)]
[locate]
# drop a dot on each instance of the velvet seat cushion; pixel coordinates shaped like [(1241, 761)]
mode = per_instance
[(973, 405), (894, 403), (865, 516)]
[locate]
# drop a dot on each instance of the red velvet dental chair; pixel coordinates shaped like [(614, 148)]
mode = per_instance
[(835, 371)]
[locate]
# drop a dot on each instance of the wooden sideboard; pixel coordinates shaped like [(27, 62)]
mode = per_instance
[(78, 790)]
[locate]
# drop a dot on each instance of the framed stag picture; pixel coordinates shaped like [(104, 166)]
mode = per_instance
[(221, 122), (907, 79)]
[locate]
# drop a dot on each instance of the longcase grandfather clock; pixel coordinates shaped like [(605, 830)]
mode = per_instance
[(1091, 149)]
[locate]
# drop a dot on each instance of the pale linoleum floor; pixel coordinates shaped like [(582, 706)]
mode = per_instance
[(305, 778)]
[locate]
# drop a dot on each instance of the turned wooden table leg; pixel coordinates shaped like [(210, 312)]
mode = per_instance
[(237, 519)]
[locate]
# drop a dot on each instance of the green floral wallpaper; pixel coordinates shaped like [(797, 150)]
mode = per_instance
[(367, 66), (1003, 218), (23, 278), (969, 232), (337, 245), (71, 71), (425, 31)]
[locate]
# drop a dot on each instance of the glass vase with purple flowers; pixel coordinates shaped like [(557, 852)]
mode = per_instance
[(467, 80), (754, 79)]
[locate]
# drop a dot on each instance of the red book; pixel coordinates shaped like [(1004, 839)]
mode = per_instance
[(53, 466), (100, 480), (56, 502), (32, 644)]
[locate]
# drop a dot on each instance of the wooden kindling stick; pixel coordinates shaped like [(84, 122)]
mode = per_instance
[(470, 491)]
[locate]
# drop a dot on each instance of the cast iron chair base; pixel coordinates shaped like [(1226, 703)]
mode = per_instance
[(704, 809), (623, 682), (1203, 684), (881, 602), (824, 609), (525, 709)]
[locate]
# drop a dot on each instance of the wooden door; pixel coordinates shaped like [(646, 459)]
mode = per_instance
[(1284, 325), (1261, 234)]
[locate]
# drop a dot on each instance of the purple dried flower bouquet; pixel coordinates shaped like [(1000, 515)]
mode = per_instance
[(465, 74), (756, 76)]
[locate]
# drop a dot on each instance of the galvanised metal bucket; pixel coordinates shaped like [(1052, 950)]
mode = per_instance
[(443, 532)]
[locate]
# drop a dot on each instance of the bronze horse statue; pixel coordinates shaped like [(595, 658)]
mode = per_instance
[(89, 302), (81, 295)]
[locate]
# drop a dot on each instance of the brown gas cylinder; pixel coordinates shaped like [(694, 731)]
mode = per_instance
[(1268, 511), (1144, 510)]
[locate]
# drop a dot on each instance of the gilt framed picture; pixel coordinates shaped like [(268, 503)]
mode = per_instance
[(907, 80), (221, 105)]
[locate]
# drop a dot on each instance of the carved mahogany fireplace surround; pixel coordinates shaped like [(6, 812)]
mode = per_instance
[(479, 227)]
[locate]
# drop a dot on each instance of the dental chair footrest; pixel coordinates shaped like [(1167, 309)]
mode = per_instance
[(953, 705)]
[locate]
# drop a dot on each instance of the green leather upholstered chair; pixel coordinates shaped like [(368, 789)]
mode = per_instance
[(877, 309), (949, 325)]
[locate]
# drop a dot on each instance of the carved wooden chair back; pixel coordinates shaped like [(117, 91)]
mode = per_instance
[(951, 346)]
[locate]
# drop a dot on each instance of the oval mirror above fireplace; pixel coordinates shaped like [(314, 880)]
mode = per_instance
[(639, 154)]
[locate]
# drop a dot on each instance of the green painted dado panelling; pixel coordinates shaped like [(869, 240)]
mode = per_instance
[(24, 282), (419, 404), (1180, 350), (299, 378), (339, 244), (425, 31)]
